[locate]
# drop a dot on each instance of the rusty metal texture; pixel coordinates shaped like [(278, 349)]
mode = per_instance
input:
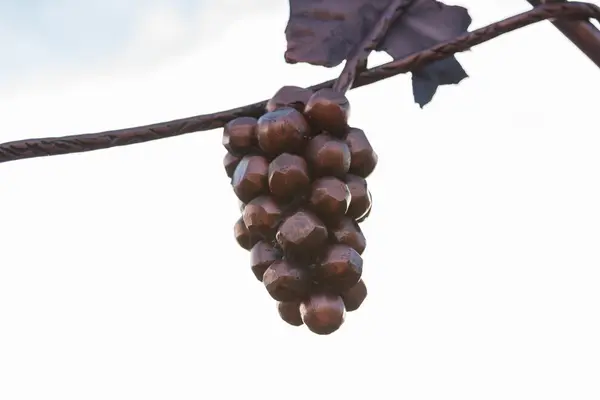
[(29, 148)]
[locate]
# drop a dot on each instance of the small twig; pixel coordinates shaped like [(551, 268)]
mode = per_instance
[(29, 148), (357, 62)]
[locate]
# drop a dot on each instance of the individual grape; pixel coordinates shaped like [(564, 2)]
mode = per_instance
[(363, 158), (262, 255), (348, 232), (289, 96), (250, 178), (340, 268), (288, 176), (355, 296), (290, 312), (262, 216), (329, 199), (360, 201), (323, 313), (243, 236), (328, 156), (328, 110), (302, 235), (239, 135), (282, 131), (230, 162), (286, 282)]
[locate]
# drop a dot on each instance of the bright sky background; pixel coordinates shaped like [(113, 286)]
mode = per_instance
[(120, 276)]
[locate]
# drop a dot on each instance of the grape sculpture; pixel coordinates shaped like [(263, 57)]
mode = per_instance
[(299, 172)]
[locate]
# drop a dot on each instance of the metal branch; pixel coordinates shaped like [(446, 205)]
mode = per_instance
[(355, 63), (570, 10), (30, 148), (582, 34)]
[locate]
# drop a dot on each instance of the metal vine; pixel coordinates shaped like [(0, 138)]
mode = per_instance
[(564, 13)]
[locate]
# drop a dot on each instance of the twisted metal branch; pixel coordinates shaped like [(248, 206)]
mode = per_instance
[(566, 11), (582, 34), (359, 57), (30, 148)]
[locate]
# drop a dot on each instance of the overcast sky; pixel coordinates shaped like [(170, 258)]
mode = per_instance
[(120, 277), (38, 35)]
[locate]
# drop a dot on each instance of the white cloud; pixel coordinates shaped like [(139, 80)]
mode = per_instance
[(72, 35), (106, 39)]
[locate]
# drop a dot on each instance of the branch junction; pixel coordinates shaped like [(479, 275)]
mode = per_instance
[(564, 14)]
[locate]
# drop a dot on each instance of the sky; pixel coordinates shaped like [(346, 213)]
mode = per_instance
[(120, 276)]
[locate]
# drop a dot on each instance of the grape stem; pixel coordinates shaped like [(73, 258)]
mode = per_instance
[(30, 148), (357, 61)]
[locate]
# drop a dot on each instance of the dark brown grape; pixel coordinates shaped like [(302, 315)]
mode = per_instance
[(347, 232), (262, 255), (239, 135), (328, 156), (364, 159), (261, 216), (360, 201), (288, 176), (355, 296), (286, 282), (328, 110), (282, 131), (323, 313), (329, 199), (302, 235), (290, 312), (230, 162), (289, 96), (250, 178), (340, 268), (243, 236)]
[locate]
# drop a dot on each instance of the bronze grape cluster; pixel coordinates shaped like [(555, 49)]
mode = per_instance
[(299, 172)]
